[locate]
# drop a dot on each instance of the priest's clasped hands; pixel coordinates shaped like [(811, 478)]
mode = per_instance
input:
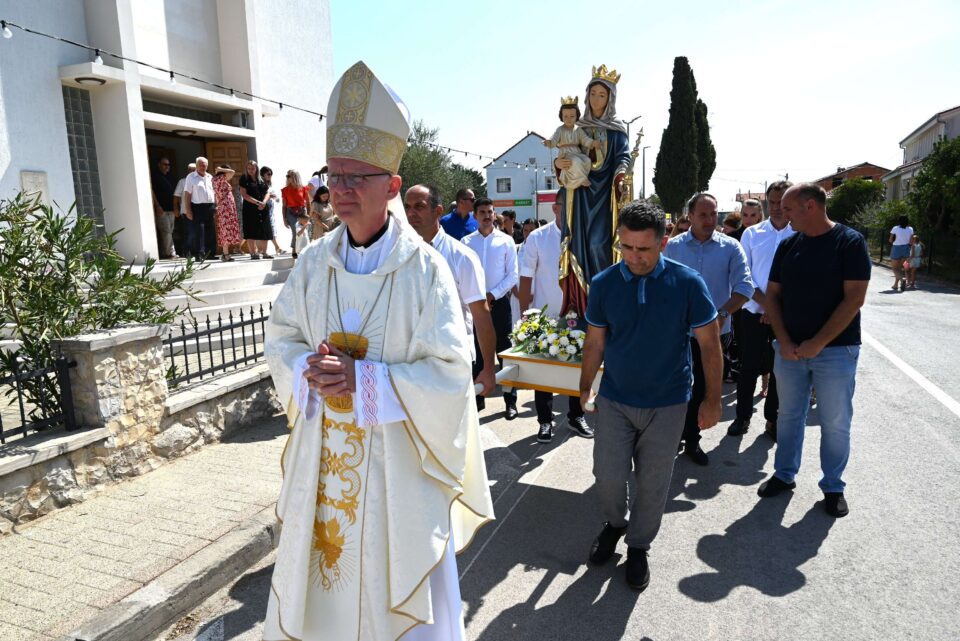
[(330, 371)]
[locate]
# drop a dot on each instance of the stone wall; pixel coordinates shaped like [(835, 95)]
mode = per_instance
[(133, 422)]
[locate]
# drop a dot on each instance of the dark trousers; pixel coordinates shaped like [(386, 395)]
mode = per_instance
[(180, 234), (502, 319), (691, 428), (756, 350), (201, 234), (544, 404)]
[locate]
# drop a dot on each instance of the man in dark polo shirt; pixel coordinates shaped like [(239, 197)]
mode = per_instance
[(639, 313), (818, 283), (163, 187)]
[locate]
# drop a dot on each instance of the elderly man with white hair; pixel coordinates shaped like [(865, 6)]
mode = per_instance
[(201, 203)]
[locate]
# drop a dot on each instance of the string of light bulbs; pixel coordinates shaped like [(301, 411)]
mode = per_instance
[(99, 52)]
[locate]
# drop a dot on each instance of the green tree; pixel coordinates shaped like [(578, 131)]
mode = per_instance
[(935, 193), (676, 173), (853, 197), (62, 277), (706, 153), (425, 163)]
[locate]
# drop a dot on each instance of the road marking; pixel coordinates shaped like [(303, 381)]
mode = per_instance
[(945, 399)]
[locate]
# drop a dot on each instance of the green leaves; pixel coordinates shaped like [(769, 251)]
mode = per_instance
[(425, 164), (60, 278), (676, 174)]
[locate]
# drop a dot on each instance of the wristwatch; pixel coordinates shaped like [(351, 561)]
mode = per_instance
[(724, 314)]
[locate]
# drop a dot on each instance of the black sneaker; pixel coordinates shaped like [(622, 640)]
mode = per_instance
[(773, 486), (638, 570), (835, 504), (606, 544), (511, 412), (738, 428), (697, 455), (579, 427), (545, 435)]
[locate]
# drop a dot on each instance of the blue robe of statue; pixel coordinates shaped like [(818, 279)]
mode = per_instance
[(594, 211)]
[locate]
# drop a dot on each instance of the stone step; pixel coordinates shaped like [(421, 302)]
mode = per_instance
[(201, 313), (242, 266), (232, 282), (226, 297)]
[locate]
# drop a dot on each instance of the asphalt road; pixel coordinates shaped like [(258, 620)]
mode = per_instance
[(727, 565)]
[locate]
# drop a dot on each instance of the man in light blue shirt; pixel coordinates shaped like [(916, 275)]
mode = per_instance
[(721, 263)]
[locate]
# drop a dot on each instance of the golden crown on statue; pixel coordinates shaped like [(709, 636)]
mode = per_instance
[(610, 76), (569, 101)]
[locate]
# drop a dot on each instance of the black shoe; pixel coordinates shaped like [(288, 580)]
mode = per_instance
[(773, 486), (511, 412), (738, 428), (481, 403), (696, 455), (545, 435), (579, 427), (294, 254), (604, 545), (771, 430), (835, 504), (638, 570)]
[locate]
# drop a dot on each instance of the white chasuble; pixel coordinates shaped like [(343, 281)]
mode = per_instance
[(375, 499)]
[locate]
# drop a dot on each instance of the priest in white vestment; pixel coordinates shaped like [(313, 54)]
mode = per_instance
[(384, 477)]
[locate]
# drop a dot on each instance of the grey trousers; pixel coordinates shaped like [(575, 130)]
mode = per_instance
[(164, 224), (639, 441)]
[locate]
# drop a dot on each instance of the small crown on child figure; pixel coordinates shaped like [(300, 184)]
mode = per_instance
[(602, 73), (569, 101)]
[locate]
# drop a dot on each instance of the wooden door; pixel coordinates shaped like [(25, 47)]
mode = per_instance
[(227, 152)]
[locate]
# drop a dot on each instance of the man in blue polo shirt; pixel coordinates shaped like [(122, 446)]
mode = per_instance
[(461, 221), (639, 313)]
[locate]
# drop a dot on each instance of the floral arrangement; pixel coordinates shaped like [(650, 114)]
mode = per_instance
[(538, 334)]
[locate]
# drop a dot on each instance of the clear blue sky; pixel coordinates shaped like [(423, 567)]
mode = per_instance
[(798, 87)]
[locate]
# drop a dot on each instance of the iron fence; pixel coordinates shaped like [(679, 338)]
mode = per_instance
[(39, 399), (213, 346)]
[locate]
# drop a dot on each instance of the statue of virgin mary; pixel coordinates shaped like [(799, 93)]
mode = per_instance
[(589, 217)]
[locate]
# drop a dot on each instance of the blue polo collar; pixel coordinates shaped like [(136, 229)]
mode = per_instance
[(629, 275)]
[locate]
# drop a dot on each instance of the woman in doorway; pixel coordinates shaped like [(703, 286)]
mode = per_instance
[(322, 218), (228, 229), (295, 198), (900, 237), (256, 216)]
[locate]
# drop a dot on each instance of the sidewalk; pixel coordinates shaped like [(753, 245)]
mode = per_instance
[(65, 568)]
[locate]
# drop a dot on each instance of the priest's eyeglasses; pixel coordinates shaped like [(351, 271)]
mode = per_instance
[(352, 181)]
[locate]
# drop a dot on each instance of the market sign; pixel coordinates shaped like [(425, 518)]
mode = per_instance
[(512, 203)]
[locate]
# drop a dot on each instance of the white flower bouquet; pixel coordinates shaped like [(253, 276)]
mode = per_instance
[(538, 334)]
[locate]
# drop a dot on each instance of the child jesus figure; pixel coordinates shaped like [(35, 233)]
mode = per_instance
[(574, 144)]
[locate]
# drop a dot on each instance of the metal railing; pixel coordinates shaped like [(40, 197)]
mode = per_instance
[(207, 348), (38, 400)]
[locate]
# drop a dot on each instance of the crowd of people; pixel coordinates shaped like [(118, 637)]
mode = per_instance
[(373, 337), (198, 216)]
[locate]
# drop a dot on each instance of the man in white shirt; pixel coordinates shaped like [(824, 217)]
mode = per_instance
[(424, 209), (201, 203), (498, 256), (180, 223), (759, 243), (539, 286)]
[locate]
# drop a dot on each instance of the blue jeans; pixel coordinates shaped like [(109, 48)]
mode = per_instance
[(833, 374)]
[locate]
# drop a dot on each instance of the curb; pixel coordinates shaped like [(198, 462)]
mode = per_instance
[(146, 612)]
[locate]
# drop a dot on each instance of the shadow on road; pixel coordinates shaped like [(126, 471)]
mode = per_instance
[(758, 551)]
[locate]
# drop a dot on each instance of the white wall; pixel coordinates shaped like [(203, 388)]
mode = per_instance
[(294, 62), (521, 181), (180, 35), (33, 133)]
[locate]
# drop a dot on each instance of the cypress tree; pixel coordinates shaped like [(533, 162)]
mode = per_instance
[(676, 173), (706, 154)]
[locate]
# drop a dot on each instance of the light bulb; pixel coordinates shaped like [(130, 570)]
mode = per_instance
[(98, 60), (6, 31)]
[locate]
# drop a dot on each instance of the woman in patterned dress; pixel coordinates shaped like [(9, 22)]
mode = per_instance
[(228, 227)]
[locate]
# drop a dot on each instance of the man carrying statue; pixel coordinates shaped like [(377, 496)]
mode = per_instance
[(589, 218), (384, 477)]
